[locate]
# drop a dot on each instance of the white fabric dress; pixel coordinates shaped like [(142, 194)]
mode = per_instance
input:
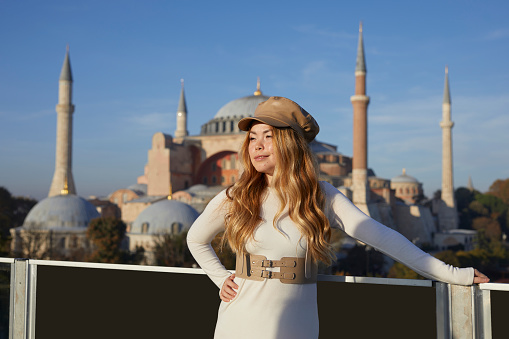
[(270, 309)]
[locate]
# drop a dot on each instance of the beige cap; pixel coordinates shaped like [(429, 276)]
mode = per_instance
[(283, 112)]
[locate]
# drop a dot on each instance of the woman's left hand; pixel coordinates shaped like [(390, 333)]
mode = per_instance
[(480, 278)]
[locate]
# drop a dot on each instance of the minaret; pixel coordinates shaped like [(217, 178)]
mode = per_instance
[(448, 217), (63, 157), (470, 185), (181, 130), (360, 129)]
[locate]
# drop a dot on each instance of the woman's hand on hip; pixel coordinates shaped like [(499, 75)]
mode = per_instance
[(228, 290)]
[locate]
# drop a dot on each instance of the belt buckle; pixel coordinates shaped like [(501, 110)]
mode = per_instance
[(267, 274), (266, 263)]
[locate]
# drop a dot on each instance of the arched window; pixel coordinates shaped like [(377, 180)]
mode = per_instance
[(204, 180), (175, 228), (214, 179), (232, 161), (144, 227)]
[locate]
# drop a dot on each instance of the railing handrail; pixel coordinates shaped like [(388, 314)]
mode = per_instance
[(321, 277), (494, 286), (7, 260)]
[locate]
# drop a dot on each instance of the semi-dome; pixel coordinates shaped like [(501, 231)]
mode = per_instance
[(242, 107), (165, 216), (404, 178), (140, 189), (61, 211)]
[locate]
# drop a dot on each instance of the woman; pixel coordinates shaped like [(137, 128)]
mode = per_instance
[(278, 219)]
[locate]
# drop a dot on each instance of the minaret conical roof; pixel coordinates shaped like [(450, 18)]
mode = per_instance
[(66, 73), (447, 94), (361, 61), (182, 102)]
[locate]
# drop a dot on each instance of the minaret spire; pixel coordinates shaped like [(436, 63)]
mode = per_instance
[(181, 130), (448, 216), (63, 158), (360, 103), (447, 94), (361, 61)]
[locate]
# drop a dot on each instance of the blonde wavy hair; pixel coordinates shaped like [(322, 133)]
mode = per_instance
[(295, 181)]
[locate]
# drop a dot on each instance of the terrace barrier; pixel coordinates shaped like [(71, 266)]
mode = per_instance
[(57, 299)]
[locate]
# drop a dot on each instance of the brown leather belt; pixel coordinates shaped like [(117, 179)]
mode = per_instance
[(291, 269)]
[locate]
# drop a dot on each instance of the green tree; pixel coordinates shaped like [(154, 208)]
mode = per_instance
[(13, 211), (500, 189), (491, 227), (400, 271), (172, 250), (106, 235), (362, 261)]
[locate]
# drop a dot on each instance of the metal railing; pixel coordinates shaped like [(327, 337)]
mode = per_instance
[(57, 299)]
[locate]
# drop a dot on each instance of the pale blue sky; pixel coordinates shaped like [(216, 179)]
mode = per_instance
[(128, 57)]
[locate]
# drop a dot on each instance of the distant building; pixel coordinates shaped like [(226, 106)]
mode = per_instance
[(55, 226), (407, 188), (198, 167), (164, 217)]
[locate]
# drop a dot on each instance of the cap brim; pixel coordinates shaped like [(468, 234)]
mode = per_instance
[(245, 123)]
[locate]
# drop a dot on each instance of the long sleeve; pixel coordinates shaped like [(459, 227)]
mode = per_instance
[(343, 214), (202, 232)]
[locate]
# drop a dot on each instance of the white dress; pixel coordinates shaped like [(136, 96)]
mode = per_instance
[(270, 309)]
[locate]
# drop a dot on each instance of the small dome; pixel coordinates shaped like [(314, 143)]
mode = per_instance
[(163, 217), (197, 188), (240, 107), (404, 178), (61, 211)]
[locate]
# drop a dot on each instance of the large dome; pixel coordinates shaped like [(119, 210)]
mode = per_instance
[(165, 216), (242, 107), (61, 211)]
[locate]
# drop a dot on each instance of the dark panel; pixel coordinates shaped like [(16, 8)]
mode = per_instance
[(100, 303), (5, 294), (360, 311), (499, 306)]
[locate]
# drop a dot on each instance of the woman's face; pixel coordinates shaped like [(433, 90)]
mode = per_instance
[(260, 148)]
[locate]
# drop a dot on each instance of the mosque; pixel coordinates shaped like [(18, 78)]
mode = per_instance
[(183, 172)]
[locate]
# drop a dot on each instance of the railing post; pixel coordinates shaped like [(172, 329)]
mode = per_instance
[(462, 312), (482, 313), (443, 310), (20, 299)]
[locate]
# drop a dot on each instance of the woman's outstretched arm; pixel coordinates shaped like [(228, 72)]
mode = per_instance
[(345, 215)]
